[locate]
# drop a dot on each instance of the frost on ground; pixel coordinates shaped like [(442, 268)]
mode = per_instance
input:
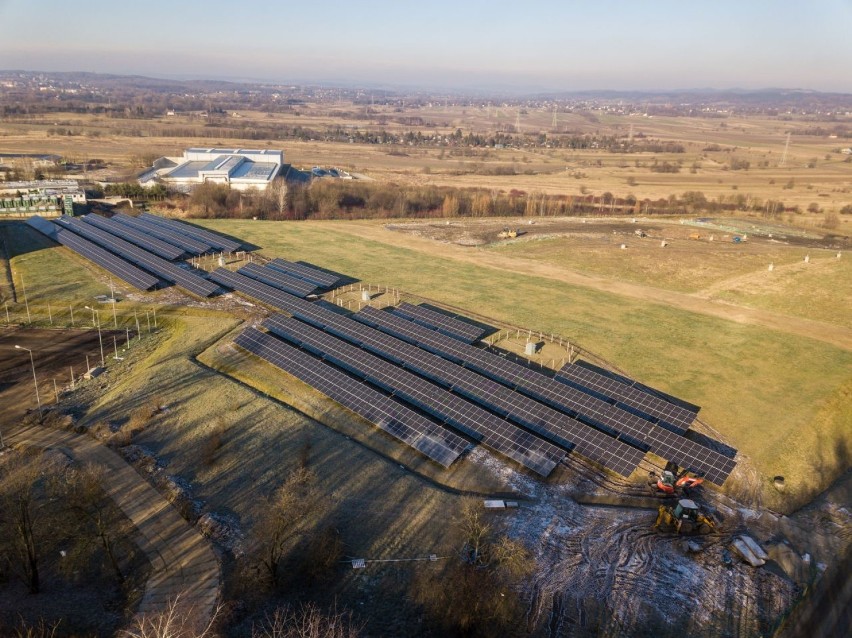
[(605, 571)]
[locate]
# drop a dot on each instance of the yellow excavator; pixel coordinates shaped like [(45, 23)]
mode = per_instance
[(684, 518)]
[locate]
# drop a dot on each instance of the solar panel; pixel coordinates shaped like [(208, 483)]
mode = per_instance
[(530, 451), (404, 424), (103, 258), (444, 324), (298, 287), (164, 269), (215, 240), (631, 399), (149, 243), (588, 409), (314, 275), (189, 245)]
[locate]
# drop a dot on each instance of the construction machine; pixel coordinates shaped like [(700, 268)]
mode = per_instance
[(670, 483), (684, 518)]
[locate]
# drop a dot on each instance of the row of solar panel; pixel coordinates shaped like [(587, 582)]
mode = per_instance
[(626, 397), (315, 276), (449, 326), (214, 240)]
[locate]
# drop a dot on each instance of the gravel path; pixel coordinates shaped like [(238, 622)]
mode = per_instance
[(183, 561)]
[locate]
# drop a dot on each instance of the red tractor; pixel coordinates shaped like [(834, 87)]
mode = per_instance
[(670, 483)]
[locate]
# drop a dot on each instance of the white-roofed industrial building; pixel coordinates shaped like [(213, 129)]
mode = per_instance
[(239, 168)]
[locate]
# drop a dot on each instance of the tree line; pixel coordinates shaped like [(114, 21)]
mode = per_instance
[(345, 199)]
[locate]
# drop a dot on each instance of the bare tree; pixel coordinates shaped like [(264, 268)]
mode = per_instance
[(277, 192), (476, 595), (288, 515), (21, 514), (308, 621), (84, 496), (179, 619)]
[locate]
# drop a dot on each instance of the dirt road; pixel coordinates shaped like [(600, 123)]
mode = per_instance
[(183, 562), (829, 333)]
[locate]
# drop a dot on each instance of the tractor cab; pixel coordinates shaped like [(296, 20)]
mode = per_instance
[(686, 509)]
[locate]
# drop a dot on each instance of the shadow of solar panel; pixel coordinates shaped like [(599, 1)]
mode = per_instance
[(431, 439), (147, 242), (189, 245), (626, 397), (214, 240), (164, 269), (115, 265), (498, 434), (585, 408), (314, 275), (444, 324), (278, 279)]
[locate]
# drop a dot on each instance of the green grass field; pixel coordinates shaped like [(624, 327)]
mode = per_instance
[(782, 400), (725, 271)]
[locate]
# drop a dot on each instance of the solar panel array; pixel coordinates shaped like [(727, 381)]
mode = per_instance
[(314, 275), (588, 409), (401, 422), (618, 423), (631, 399), (190, 246), (215, 240), (142, 258), (530, 451), (278, 279), (442, 323), (126, 272), (546, 422), (141, 239)]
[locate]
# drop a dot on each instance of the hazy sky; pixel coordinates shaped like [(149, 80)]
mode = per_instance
[(555, 45)]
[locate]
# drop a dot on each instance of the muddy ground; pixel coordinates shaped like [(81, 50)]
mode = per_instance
[(55, 354)]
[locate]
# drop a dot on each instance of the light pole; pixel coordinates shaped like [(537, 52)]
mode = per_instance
[(35, 381), (100, 340)]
